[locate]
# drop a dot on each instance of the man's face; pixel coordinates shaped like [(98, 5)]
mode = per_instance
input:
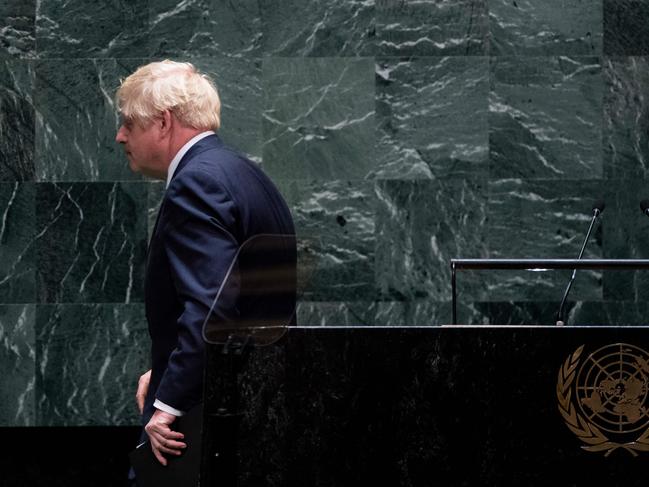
[(142, 145)]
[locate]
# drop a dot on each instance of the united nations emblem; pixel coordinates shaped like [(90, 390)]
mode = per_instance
[(604, 398)]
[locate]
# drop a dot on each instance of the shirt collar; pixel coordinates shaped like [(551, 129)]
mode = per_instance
[(183, 150)]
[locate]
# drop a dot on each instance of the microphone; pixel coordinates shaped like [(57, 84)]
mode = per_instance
[(598, 208), (644, 206)]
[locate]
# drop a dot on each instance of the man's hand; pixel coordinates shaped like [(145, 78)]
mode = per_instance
[(142, 389), (163, 439)]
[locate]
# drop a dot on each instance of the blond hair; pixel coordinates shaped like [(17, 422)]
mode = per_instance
[(169, 85)]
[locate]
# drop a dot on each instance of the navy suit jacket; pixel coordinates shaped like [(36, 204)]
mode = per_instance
[(216, 200)]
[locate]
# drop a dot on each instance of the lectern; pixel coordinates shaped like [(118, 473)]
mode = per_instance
[(253, 308), (447, 405)]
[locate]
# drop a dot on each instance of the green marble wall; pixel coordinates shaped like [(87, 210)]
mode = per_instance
[(402, 134)]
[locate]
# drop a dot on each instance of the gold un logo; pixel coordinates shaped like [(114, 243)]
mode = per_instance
[(603, 398)]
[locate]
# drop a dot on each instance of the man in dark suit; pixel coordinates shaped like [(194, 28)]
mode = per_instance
[(215, 200)]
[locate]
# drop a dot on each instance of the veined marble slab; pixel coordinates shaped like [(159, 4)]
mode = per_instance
[(550, 27), (334, 222), (432, 28), (543, 219), (625, 27), (192, 28), (420, 226), (17, 360), (545, 118), (17, 27), (318, 119), (79, 29), (77, 120), (88, 361), (16, 120), (315, 28), (429, 313), (17, 243), (91, 242), (238, 81), (354, 313), (626, 117), (626, 233), (432, 115)]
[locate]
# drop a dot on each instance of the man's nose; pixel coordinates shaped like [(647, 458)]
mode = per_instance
[(120, 137)]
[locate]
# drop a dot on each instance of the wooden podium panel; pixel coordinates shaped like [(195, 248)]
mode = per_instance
[(441, 406)]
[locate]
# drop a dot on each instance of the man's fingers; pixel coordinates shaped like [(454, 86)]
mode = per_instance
[(159, 456), (173, 435), (161, 440), (170, 451), (176, 445), (171, 444), (142, 389), (140, 402), (160, 446), (163, 431)]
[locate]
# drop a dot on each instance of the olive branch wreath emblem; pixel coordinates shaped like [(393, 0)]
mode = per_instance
[(595, 440)]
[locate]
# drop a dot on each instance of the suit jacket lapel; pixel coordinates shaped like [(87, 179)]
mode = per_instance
[(206, 143), (157, 220)]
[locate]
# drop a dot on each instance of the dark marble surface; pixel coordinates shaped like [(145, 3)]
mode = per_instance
[(204, 28), (416, 406), (432, 28), (77, 120), (420, 312), (432, 117), (625, 237), (626, 117), (421, 225), (577, 313), (238, 80), (609, 312), (428, 313), (318, 119), (17, 238), (17, 360), (78, 29), (625, 27), (16, 120), (517, 313), (333, 28), (88, 361), (335, 225), (91, 242), (543, 219), (545, 117), (352, 313), (17, 26), (414, 312), (526, 27), (264, 395), (402, 132)]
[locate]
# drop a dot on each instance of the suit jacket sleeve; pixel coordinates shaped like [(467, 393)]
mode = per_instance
[(200, 247)]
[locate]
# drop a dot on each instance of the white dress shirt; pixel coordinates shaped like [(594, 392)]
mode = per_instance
[(183, 150)]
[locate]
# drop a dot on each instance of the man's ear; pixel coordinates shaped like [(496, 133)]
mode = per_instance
[(165, 123)]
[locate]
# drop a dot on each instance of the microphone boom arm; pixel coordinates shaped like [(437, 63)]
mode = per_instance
[(560, 322)]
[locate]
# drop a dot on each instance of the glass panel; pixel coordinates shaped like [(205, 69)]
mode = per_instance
[(257, 297)]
